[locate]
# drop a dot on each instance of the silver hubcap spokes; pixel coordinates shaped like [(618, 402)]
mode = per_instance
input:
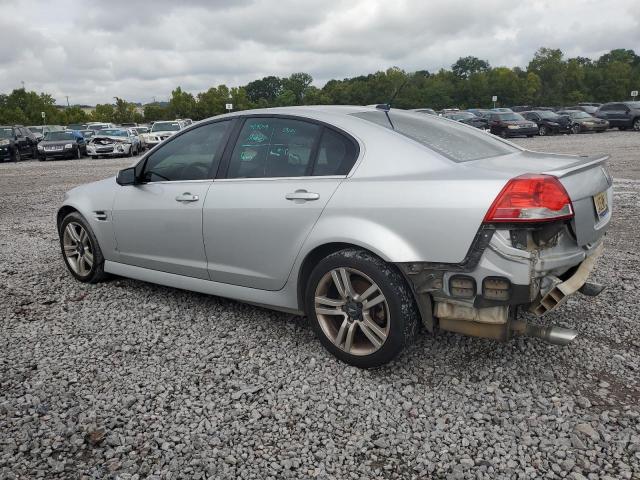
[(77, 248), (352, 311)]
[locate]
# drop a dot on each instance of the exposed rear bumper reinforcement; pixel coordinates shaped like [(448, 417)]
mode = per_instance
[(561, 291)]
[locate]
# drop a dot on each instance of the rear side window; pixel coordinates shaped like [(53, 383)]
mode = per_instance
[(273, 147), (336, 154), (455, 141)]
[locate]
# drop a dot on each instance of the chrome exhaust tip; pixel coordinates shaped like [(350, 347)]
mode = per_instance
[(550, 334), (559, 335)]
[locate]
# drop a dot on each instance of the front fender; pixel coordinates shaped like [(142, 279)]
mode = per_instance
[(94, 201)]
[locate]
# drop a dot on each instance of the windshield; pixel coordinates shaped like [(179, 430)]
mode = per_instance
[(59, 136), (456, 142), (6, 133), (510, 116), (548, 115), (460, 116), (580, 115), (87, 133), (165, 127), (114, 132), (141, 129), (35, 129)]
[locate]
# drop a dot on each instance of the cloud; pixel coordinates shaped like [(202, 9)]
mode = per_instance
[(140, 50)]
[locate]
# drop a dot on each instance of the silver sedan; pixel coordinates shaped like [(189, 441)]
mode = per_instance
[(369, 220)]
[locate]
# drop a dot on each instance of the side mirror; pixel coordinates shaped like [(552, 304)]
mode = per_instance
[(127, 176)]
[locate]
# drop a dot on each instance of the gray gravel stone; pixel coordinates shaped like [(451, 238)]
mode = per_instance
[(129, 380)]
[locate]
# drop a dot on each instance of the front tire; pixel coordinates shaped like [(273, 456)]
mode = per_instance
[(575, 128), (360, 308), (80, 249), (636, 124)]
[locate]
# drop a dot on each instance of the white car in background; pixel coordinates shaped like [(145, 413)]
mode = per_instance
[(160, 131), (114, 142)]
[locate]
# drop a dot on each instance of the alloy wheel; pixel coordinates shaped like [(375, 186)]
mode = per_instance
[(636, 124), (352, 311), (77, 248)]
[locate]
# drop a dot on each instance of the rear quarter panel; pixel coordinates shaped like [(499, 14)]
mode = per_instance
[(406, 203)]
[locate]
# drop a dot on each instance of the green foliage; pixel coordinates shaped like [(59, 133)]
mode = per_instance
[(549, 80)]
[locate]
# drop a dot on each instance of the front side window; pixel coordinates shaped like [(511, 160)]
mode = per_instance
[(273, 147), (191, 156)]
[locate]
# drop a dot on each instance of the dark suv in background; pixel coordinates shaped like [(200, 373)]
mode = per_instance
[(548, 122), (623, 115), (17, 142)]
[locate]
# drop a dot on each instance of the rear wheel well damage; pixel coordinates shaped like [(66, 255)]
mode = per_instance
[(322, 251)]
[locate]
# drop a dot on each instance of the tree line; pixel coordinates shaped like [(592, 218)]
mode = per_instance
[(550, 79)]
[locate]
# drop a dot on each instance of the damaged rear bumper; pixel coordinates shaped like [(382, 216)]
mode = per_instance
[(535, 268)]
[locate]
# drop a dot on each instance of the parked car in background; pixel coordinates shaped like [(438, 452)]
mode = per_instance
[(468, 118), (502, 110), (142, 132), (300, 209), (99, 126), (511, 124), (480, 112), (59, 145), (87, 134), (77, 126), (590, 109), (521, 108), (17, 142), (41, 130), (129, 124), (114, 142), (583, 122), (623, 115), (429, 111), (548, 122), (160, 131)]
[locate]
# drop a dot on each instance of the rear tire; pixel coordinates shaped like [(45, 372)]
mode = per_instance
[(543, 131), (503, 133), (368, 323), (636, 124), (575, 128), (80, 249)]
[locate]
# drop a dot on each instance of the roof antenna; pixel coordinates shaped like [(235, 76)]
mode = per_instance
[(385, 107)]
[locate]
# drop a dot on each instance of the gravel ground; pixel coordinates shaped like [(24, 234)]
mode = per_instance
[(130, 380)]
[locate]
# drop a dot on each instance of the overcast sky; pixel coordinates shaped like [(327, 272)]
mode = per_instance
[(95, 50)]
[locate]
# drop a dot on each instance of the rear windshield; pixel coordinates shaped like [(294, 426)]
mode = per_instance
[(455, 141), (60, 136), (165, 127)]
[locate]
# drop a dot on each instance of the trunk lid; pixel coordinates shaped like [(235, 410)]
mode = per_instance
[(585, 178)]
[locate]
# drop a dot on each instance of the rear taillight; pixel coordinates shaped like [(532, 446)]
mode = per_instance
[(531, 198)]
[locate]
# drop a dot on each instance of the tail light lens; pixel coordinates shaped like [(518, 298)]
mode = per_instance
[(531, 198)]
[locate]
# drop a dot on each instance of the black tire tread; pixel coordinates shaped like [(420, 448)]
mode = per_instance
[(97, 273), (400, 298)]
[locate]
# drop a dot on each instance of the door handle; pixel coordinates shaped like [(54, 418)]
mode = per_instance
[(187, 197), (302, 195)]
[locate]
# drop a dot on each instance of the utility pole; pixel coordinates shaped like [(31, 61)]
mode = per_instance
[(22, 82), (67, 100)]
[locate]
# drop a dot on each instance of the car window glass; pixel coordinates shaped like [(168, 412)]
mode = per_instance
[(450, 139), (336, 154), (187, 157), (273, 147)]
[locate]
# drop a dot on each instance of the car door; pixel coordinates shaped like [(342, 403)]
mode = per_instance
[(615, 113), (158, 222), (278, 175)]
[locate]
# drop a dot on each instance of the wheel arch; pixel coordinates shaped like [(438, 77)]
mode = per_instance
[(319, 252), (63, 212)]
